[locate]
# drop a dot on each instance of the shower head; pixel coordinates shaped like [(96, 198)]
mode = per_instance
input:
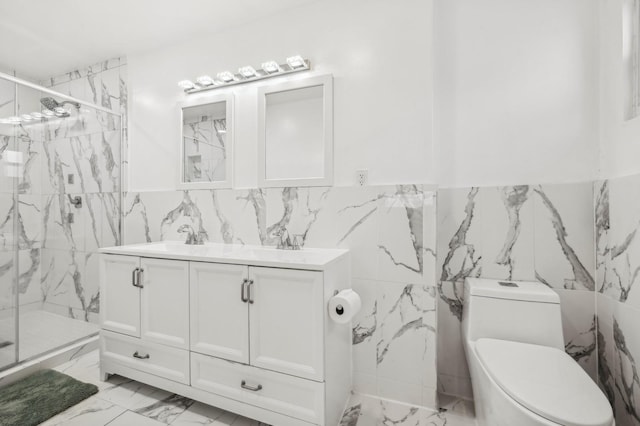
[(53, 105)]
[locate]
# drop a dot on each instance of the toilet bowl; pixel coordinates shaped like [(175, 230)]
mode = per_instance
[(520, 373)]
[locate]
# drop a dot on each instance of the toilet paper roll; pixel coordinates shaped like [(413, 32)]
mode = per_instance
[(344, 306)]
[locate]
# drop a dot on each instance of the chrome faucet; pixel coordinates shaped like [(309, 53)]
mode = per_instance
[(193, 237), (286, 243)]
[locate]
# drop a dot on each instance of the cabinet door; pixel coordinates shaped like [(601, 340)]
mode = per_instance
[(286, 321), (165, 302), (219, 316), (119, 298)]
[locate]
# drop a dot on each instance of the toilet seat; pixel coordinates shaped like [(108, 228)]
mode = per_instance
[(546, 381)]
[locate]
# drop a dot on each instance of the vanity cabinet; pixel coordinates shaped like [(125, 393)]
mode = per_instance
[(249, 336), (266, 317), (146, 298)]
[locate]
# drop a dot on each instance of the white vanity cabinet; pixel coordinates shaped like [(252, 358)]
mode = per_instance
[(266, 317), (244, 329), (146, 298)]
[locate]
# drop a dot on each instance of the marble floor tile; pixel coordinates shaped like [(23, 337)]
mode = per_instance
[(121, 401), (129, 418), (91, 411), (368, 411)]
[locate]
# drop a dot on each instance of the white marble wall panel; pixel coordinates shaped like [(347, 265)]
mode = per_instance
[(617, 213), (522, 233), (394, 336)]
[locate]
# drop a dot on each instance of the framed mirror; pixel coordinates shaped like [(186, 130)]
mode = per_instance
[(206, 144), (295, 133)]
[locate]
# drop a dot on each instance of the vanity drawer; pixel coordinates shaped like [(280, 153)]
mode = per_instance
[(288, 395), (163, 361)]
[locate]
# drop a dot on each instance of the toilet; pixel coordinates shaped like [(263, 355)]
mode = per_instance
[(520, 373)]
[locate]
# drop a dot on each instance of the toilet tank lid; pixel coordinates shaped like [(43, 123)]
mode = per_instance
[(527, 291), (546, 381)]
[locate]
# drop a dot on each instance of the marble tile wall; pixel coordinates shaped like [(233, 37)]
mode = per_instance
[(78, 156), (617, 213), (516, 232), (92, 154), (390, 232)]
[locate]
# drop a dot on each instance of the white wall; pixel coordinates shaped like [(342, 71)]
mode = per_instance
[(379, 52), (620, 139), (516, 91)]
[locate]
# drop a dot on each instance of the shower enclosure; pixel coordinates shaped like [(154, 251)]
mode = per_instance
[(60, 198)]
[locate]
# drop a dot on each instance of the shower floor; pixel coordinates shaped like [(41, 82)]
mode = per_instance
[(40, 331)]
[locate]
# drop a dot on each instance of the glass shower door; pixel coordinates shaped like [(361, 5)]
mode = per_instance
[(9, 172)]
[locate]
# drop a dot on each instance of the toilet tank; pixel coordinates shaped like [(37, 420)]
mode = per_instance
[(520, 311)]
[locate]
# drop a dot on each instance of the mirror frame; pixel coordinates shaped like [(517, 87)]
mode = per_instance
[(229, 141), (326, 81)]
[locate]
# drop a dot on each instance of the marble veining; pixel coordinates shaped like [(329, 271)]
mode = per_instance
[(582, 276), (627, 380), (385, 229), (513, 198)]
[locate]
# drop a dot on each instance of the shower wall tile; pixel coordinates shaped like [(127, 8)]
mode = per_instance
[(70, 281), (527, 232), (58, 265), (385, 229)]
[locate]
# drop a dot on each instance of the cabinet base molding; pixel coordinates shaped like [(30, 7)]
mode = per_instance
[(108, 367)]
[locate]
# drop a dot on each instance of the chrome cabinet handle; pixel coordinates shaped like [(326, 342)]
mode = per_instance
[(134, 276), (244, 385), (138, 277), (137, 355), (243, 291), (250, 291)]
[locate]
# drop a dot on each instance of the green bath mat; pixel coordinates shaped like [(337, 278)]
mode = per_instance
[(40, 396)]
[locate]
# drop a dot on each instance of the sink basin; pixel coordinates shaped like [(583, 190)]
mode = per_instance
[(307, 258)]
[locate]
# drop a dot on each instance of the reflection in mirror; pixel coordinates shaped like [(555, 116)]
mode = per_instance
[(206, 145), (296, 133)]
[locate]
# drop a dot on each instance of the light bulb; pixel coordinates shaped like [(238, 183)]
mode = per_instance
[(186, 84), (247, 72), (295, 62), (271, 67), (37, 115), (26, 117), (205, 80), (225, 76), (48, 112)]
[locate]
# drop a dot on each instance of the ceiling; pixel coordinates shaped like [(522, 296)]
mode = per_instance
[(39, 39)]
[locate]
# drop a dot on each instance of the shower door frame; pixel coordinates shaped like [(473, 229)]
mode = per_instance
[(16, 275)]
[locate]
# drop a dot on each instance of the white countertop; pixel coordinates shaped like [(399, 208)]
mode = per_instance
[(306, 258)]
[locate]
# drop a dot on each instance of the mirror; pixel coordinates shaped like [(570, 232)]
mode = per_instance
[(295, 143), (206, 143)]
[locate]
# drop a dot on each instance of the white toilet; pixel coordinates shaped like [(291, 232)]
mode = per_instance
[(520, 374)]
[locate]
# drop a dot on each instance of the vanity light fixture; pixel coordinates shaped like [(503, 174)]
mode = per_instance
[(246, 74)]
